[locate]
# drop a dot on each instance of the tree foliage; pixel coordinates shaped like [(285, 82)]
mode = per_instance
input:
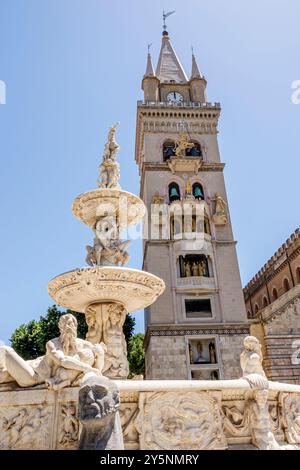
[(136, 354), (29, 340)]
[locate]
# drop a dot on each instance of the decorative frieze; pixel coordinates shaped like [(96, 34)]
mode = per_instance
[(202, 331)]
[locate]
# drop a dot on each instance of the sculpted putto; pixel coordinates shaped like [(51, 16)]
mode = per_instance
[(251, 363), (66, 360), (108, 249)]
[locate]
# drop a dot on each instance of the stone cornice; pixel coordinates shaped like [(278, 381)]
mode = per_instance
[(165, 167)]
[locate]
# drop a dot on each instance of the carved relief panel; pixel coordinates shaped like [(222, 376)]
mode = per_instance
[(174, 421)]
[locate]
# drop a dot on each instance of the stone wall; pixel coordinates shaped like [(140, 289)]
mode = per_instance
[(231, 348), (280, 328), (166, 358)]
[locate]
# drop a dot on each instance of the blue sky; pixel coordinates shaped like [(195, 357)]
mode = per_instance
[(74, 67)]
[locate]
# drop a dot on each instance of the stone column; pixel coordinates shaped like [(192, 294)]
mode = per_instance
[(105, 324)]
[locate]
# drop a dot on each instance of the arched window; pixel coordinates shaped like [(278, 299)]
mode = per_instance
[(256, 308), (174, 192), (194, 151), (298, 275), (249, 315), (265, 301), (168, 150), (275, 294), (198, 192), (286, 285)]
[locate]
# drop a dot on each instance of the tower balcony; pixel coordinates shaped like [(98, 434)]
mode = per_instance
[(186, 104)]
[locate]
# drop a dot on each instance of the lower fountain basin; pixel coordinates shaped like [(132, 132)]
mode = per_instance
[(79, 288)]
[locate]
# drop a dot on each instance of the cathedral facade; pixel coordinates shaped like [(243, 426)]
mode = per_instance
[(195, 329)]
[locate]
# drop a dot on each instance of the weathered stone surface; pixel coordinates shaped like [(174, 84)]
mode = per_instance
[(99, 402), (170, 420)]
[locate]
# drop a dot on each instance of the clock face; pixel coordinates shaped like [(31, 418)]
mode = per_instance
[(174, 97)]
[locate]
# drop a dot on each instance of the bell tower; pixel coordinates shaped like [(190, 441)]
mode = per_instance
[(195, 329)]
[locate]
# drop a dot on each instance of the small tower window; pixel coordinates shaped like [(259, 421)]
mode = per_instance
[(286, 285), (198, 191), (298, 275), (168, 150), (265, 301), (194, 151), (275, 294), (174, 192)]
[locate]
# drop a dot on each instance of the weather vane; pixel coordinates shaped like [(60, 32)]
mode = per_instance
[(148, 46), (165, 15)]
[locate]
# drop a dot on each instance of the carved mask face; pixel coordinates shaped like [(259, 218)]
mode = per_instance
[(97, 401)]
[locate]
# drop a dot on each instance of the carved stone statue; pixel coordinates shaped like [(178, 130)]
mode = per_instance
[(108, 249), (220, 216), (130, 434), (187, 269), (212, 353), (98, 407), (251, 363), (109, 168), (203, 269), (105, 322), (195, 269), (199, 358), (260, 425), (290, 405), (95, 326), (25, 427), (182, 144), (116, 364), (68, 432), (66, 359)]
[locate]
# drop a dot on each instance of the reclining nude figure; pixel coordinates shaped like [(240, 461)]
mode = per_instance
[(66, 361)]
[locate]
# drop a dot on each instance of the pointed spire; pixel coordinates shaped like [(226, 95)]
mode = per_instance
[(149, 68), (195, 70), (168, 67)]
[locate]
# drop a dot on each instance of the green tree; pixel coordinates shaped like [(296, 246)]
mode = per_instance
[(136, 354), (29, 340)]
